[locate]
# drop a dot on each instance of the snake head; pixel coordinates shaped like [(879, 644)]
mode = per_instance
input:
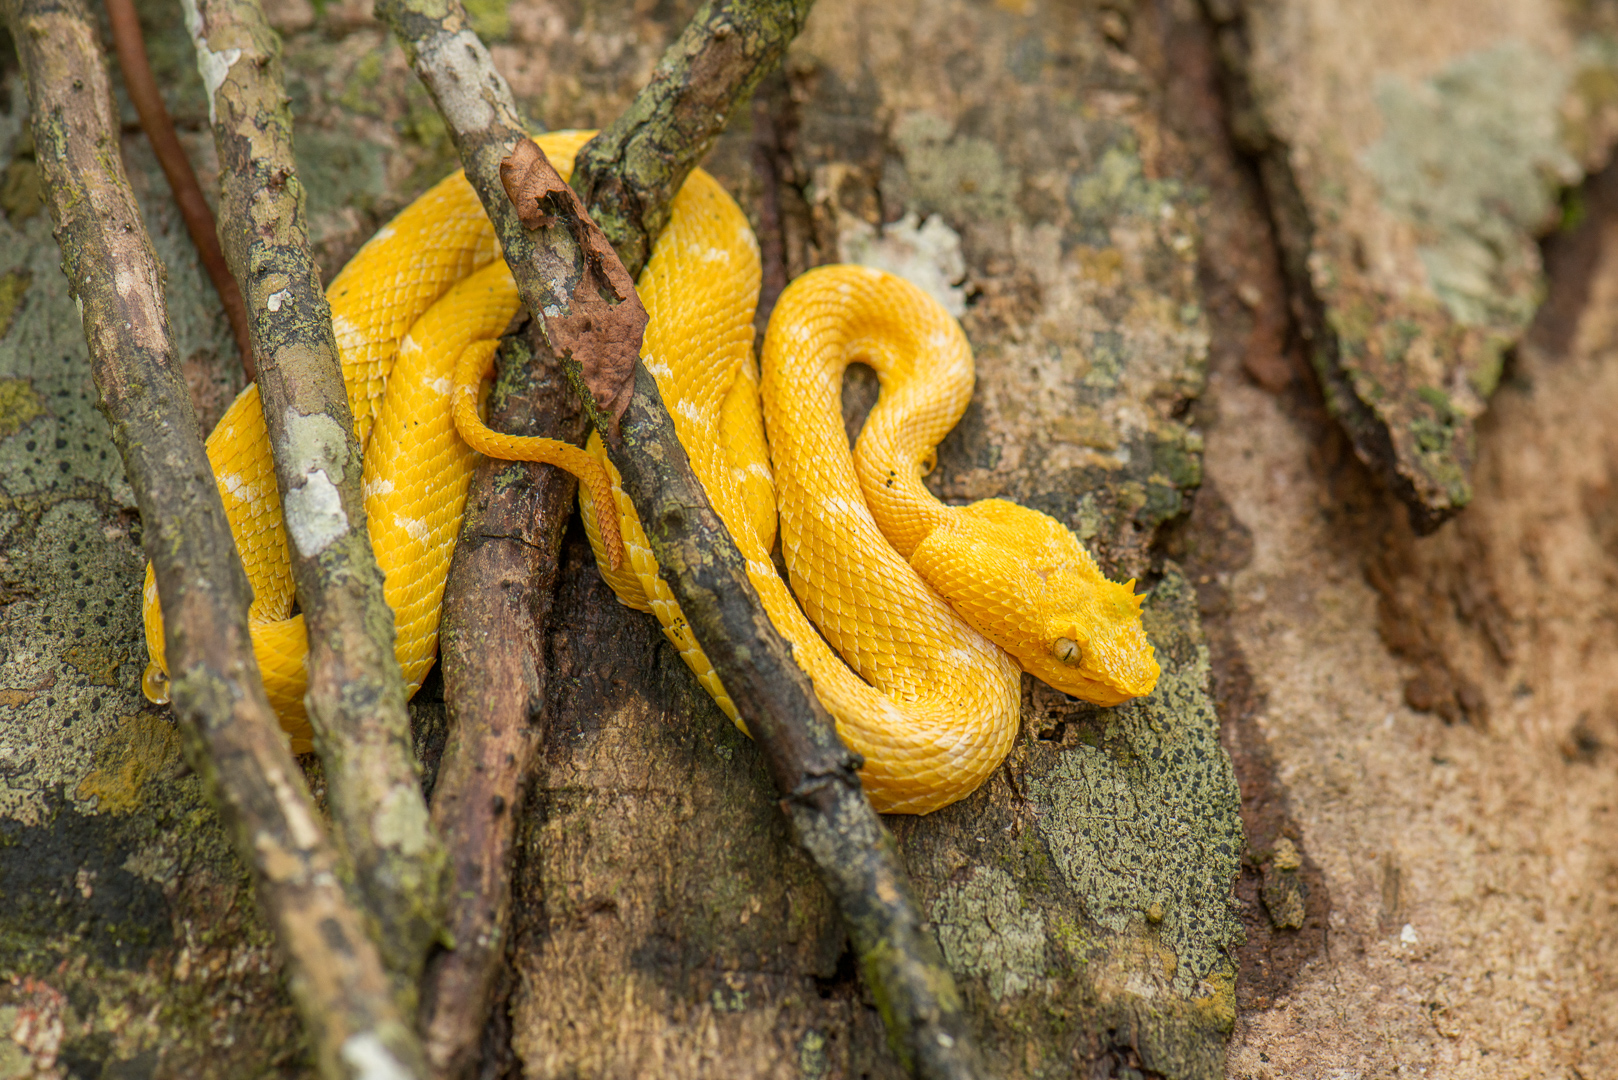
[(1026, 583)]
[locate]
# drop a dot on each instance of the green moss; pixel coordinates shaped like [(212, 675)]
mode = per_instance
[(13, 285), (140, 749), (22, 185), (1490, 364), (1176, 466), (490, 18), (814, 1063), (1352, 321), (1439, 400), (1075, 939), (1107, 357), (1432, 436), (1118, 190), (19, 404), (360, 93)]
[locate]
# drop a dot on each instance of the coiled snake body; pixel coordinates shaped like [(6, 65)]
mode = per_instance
[(930, 702)]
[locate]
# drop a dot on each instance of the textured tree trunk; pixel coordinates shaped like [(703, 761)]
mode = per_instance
[(1363, 825)]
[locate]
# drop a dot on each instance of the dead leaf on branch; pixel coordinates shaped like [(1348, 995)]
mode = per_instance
[(600, 321)]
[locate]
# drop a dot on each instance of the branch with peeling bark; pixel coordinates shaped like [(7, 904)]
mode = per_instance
[(230, 733), (814, 772), (356, 697)]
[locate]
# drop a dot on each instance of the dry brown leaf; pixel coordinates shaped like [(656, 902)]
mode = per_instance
[(601, 321)]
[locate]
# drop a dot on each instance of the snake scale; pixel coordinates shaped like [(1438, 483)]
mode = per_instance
[(925, 612)]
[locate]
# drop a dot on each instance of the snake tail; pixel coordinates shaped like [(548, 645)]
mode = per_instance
[(476, 363)]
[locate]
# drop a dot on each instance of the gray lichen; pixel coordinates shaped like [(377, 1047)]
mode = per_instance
[(1474, 157), (1145, 825), (987, 929)]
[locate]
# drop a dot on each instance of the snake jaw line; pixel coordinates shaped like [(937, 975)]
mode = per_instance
[(1024, 580)]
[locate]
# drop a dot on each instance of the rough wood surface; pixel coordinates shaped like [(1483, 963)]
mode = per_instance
[(668, 962), (663, 919), (1435, 736), (564, 268), (497, 678), (1411, 156)]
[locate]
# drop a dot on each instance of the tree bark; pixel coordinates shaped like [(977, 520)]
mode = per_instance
[(1420, 733), (356, 693)]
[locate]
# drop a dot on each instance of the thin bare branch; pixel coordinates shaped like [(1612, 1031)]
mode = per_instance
[(188, 196)]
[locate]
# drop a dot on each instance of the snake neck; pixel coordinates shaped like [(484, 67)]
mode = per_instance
[(891, 463), (924, 365)]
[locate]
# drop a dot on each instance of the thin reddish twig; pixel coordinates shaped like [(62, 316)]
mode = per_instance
[(154, 120)]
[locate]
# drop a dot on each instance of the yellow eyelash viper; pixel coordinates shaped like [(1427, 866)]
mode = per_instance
[(895, 580)]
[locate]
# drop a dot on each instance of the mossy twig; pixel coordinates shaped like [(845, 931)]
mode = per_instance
[(629, 173), (356, 695), (333, 970), (814, 772)]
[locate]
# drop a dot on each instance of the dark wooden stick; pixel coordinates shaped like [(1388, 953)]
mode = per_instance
[(814, 772), (501, 586), (356, 695), (230, 734), (188, 196), (557, 266)]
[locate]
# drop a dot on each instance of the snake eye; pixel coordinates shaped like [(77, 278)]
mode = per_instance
[(1067, 651)]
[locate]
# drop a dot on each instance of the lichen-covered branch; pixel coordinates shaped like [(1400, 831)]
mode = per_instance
[(356, 695), (188, 196), (629, 173), (812, 769), (231, 737), (502, 582)]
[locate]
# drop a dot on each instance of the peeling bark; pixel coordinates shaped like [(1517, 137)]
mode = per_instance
[(600, 321), (1408, 179)]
